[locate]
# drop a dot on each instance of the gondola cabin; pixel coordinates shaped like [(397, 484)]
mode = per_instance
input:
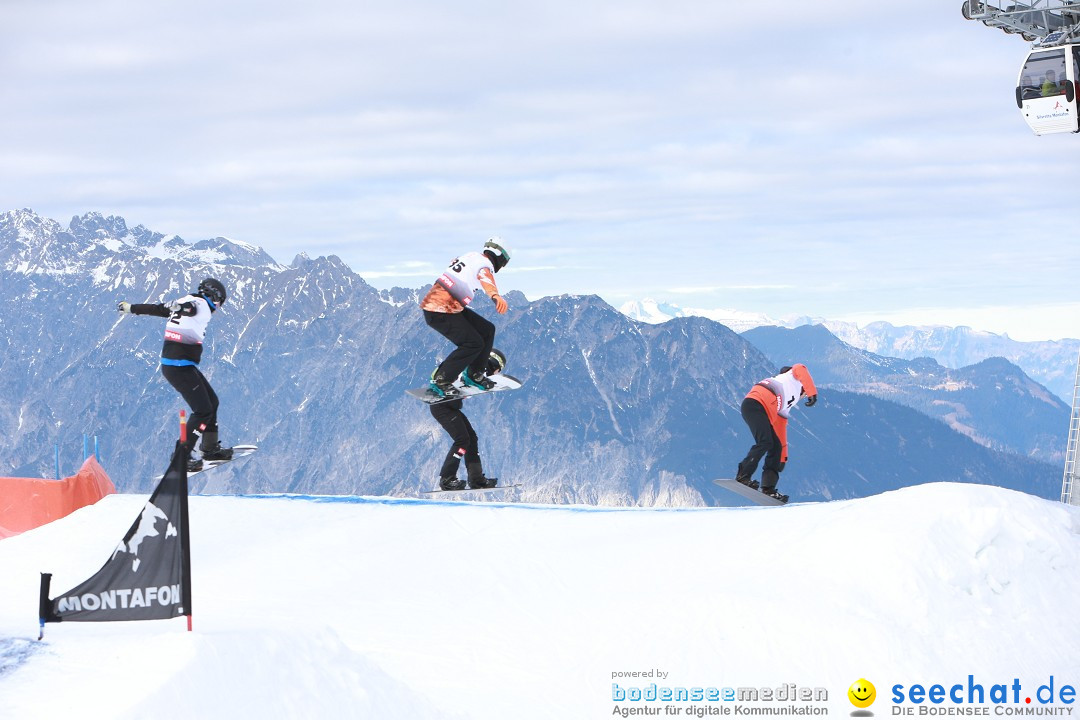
[(1046, 89)]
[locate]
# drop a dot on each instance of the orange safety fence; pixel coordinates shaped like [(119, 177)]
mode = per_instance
[(27, 503)]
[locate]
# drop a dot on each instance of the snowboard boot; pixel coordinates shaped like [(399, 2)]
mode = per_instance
[(193, 465), (746, 480), (774, 494), (211, 448), (476, 380), (441, 385), (769, 479), (451, 483), (477, 481)]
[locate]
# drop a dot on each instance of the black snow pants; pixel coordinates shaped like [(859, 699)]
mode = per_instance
[(765, 443), (454, 422), (472, 333), (193, 386)]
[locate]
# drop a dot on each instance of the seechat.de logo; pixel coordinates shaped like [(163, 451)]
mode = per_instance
[(862, 694)]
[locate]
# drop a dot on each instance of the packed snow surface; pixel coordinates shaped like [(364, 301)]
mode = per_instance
[(379, 608)]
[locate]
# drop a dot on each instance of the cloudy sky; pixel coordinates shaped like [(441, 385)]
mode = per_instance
[(860, 160)]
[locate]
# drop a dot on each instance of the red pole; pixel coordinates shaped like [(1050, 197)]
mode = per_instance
[(183, 439)]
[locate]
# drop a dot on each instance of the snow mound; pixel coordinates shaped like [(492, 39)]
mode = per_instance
[(377, 607)]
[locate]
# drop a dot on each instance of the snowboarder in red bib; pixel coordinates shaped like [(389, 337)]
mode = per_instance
[(765, 410), (446, 309), (466, 447), (180, 356)]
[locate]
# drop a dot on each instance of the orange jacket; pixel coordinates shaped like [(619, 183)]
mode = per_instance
[(779, 394), (468, 274)]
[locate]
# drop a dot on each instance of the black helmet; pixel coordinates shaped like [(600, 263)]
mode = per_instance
[(496, 362), (213, 290), (498, 253)]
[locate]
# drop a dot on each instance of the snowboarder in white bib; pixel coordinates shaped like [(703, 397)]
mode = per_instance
[(446, 310), (466, 445), (180, 356)]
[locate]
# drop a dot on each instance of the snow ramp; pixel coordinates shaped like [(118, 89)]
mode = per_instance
[(382, 608)]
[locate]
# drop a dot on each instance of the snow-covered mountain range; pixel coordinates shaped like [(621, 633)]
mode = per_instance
[(1050, 362), (993, 401), (311, 363)]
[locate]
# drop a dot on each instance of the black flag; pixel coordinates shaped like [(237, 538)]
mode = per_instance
[(148, 576)]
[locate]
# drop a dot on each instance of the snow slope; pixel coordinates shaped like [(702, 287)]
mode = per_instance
[(379, 608)]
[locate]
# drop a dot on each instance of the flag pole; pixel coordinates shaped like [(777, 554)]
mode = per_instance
[(44, 606), (185, 540)]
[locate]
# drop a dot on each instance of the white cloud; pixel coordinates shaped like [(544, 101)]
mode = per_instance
[(853, 157)]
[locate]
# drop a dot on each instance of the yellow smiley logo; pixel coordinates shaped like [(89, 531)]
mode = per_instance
[(862, 693)]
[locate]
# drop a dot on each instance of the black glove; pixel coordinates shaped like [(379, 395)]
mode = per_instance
[(810, 400)]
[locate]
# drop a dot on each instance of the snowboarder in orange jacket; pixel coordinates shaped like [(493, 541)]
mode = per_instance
[(446, 310), (765, 410)]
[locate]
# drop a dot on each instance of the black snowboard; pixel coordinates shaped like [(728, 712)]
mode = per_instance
[(438, 491)]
